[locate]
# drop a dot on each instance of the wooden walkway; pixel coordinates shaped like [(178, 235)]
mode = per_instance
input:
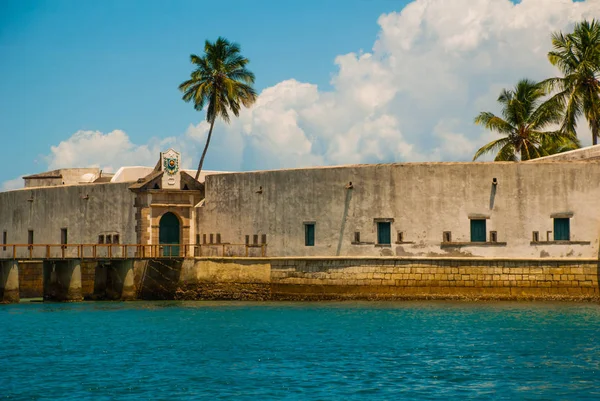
[(126, 251)]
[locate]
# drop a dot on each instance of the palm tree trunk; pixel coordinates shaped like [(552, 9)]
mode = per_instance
[(212, 124)]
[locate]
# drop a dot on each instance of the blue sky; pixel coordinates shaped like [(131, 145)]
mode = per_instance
[(101, 66)]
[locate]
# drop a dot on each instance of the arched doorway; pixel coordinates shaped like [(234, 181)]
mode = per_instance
[(168, 234)]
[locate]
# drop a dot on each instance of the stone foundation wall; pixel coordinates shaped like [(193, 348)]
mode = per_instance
[(315, 279), (31, 280), (434, 278), (88, 278)]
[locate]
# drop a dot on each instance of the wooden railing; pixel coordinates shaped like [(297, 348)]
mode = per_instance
[(128, 251)]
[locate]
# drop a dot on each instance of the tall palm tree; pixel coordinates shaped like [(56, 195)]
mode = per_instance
[(221, 81), (577, 56), (525, 116)]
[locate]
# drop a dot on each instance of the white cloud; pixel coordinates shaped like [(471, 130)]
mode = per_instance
[(434, 66), (109, 151), (15, 183)]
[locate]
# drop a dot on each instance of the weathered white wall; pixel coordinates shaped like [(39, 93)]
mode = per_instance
[(424, 199), (109, 208)]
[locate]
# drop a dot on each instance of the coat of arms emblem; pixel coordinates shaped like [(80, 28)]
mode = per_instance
[(171, 165)]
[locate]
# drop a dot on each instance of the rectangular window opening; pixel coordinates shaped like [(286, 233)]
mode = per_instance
[(400, 236), (204, 238), (309, 234), (493, 236), (255, 239), (197, 239), (562, 229), (447, 236), (478, 230), (263, 239), (357, 236), (247, 240), (30, 237), (384, 236), (535, 236), (108, 239), (218, 238), (63, 236), (101, 239), (211, 236), (115, 239)]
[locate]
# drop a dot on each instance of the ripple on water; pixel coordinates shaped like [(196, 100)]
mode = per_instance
[(358, 350)]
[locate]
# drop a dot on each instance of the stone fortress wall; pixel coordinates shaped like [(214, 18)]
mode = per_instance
[(419, 200), (429, 208), (86, 211)]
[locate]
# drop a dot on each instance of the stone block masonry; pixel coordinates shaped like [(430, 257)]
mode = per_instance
[(305, 278), (469, 278)]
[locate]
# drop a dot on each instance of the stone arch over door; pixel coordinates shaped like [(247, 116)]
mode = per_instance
[(169, 234)]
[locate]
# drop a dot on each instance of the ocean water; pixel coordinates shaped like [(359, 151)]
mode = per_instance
[(300, 351)]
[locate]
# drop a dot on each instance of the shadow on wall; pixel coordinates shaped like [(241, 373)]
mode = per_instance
[(344, 217), (159, 279), (493, 194)]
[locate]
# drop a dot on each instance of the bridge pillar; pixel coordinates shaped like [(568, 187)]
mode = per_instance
[(62, 281), (126, 272), (9, 282), (120, 283)]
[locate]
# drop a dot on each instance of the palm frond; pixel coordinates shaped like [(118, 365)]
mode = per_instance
[(492, 147), (494, 123)]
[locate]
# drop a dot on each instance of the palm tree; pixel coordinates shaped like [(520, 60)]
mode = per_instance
[(221, 81), (577, 56), (525, 116)]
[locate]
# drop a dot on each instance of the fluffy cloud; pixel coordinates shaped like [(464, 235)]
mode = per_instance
[(108, 151), (434, 66)]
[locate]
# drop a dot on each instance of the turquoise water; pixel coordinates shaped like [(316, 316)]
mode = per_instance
[(297, 351)]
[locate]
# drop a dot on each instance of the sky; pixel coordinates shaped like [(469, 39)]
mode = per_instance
[(94, 83)]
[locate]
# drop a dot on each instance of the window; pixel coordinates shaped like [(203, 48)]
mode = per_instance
[(447, 236), (400, 236), (562, 229), (101, 239), (255, 239), (108, 239), (247, 240), (218, 238), (309, 234), (115, 239), (30, 237), (4, 239), (204, 238), (211, 238), (357, 236), (493, 236), (63, 236), (477, 230), (535, 236), (263, 239), (384, 236), (197, 239)]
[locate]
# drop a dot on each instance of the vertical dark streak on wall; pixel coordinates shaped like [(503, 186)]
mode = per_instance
[(492, 196), (344, 217)]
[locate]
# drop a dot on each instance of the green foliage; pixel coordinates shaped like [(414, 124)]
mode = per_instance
[(524, 125), (577, 56), (221, 82)]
